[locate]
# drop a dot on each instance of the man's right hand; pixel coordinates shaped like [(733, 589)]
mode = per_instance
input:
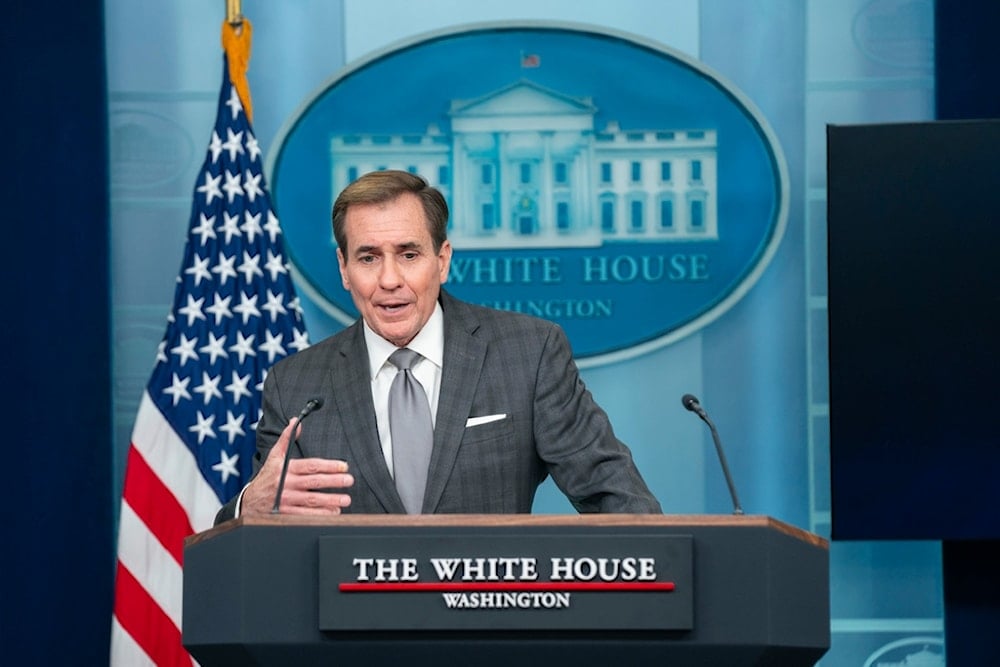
[(306, 484)]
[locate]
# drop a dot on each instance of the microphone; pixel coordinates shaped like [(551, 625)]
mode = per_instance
[(692, 403), (312, 405)]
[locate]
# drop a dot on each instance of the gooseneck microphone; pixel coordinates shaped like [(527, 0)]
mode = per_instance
[(691, 403), (312, 405)]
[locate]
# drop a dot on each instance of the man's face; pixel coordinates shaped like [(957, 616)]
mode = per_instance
[(391, 269)]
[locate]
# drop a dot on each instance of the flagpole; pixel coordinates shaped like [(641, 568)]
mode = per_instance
[(234, 13)]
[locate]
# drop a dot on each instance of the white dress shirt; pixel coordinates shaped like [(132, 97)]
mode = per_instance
[(429, 344)]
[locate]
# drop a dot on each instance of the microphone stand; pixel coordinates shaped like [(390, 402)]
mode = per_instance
[(694, 405)]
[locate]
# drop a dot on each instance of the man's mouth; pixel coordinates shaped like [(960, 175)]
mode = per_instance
[(393, 307)]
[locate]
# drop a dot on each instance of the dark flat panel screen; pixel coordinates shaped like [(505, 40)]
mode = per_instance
[(914, 301)]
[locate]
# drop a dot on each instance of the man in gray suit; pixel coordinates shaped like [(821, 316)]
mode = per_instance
[(505, 399)]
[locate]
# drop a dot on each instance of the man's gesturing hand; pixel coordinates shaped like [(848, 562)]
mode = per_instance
[(313, 486)]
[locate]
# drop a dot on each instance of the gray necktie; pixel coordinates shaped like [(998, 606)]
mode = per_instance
[(411, 429)]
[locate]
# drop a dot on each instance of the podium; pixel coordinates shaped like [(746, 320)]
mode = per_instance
[(506, 590)]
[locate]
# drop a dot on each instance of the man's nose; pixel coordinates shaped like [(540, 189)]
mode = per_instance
[(390, 275)]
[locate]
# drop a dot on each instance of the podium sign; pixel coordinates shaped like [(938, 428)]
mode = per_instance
[(507, 581)]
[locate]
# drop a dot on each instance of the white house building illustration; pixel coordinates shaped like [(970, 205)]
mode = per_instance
[(524, 166)]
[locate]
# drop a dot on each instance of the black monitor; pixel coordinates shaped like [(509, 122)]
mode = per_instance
[(914, 305)]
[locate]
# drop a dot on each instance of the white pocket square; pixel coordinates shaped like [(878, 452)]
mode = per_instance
[(476, 421)]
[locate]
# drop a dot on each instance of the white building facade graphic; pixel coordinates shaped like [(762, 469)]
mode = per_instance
[(524, 166)]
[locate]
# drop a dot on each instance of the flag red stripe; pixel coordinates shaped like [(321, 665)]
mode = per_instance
[(587, 586), (156, 505), (143, 619)]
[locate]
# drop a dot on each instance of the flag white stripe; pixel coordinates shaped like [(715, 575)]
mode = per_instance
[(124, 650), (175, 465), (152, 566)]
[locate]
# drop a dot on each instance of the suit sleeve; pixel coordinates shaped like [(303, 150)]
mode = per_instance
[(574, 437)]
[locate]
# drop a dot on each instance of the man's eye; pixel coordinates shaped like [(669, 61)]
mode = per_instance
[(411, 255), (366, 259)]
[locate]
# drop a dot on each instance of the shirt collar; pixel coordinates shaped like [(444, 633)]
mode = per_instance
[(429, 343)]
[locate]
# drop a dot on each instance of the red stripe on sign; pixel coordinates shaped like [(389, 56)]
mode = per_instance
[(156, 505), (583, 586), (143, 619)]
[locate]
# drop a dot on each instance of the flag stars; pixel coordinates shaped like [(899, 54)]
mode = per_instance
[(233, 426), (275, 266), (227, 466), (230, 226), (215, 146), (233, 144), (226, 270), (192, 310), (272, 345), (209, 387), (178, 389), (204, 229), (253, 148), (219, 309), (216, 347), (185, 349), (239, 387), (199, 270), (247, 308), (244, 346), (274, 305), (251, 226), (232, 186), (234, 103), (251, 185), (300, 340), (272, 227), (210, 188), (250, 267), (203, 428)]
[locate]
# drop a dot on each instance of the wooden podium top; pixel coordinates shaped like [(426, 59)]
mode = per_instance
[(514, 521)]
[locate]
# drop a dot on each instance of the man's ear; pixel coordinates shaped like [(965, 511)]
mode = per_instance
[(444, 260), (342, 263)]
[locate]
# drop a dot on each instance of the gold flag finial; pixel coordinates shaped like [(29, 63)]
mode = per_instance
[(234, 13)]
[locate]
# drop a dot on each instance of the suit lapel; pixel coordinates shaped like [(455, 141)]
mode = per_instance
[(351, 391), (463, 361)]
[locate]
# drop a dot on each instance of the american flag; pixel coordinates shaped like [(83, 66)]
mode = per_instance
[(235, 314)]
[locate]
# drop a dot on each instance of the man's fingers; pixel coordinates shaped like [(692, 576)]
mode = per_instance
[(316, 466), (320, 482), (280, 447), (296, 501)]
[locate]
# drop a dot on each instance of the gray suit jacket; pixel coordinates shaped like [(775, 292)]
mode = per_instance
[(495, 362)]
